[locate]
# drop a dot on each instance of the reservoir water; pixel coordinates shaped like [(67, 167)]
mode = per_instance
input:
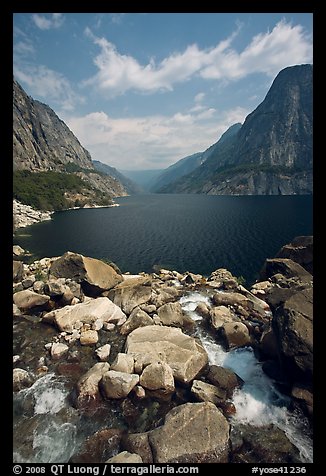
[(197, 233)]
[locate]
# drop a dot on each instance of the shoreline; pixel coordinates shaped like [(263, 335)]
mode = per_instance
[(25, 215)]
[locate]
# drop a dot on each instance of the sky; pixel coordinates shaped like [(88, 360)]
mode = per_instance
[(143, 90)]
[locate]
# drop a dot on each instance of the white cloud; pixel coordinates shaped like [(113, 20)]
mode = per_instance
[(150, 142), (267, 53), (199, 97), (54, 20), (50, 85)]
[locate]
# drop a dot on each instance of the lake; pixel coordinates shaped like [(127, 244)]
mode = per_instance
[(197, 233)]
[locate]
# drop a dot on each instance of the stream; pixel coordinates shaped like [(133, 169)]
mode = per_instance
[(48, 429)]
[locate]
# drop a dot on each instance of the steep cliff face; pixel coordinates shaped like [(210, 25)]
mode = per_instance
[(271, 153), (44, 146), (42, 141)]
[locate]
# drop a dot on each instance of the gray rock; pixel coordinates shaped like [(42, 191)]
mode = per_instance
[(18, 271), (219, 316), (87, 386), (286, 267), (236, 334), (58, 350), (192, 433), (138, 443), (182, 353), (300, 250), (224, 378), (205, 392), (118, 385), (171, 314), (131, 293), (123, 363), (88, 337), (94, 275), (87, 312), (138, 318), (27, 299), (103, 352), (230, 299), (21, 379), (158, 378)]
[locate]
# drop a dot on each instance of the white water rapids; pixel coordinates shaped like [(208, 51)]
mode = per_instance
[(257, 402), (56, 426)]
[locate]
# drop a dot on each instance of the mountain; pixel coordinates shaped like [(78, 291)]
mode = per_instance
[(188, 164), (131, 187), (52, 170), (177, 170), (271, 154), (143, 178)]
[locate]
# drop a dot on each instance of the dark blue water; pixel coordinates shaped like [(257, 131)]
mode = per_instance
[(197, 233)]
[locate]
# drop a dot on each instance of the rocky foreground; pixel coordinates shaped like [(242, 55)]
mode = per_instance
[(125, 345)]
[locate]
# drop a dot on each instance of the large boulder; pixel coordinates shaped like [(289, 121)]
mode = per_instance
[(87, 386), (230, 299), (171, 314), (219, 316), (224, 378), (27, 299), (138, 318), (205, 392), (131, 293), (286, 267), (86, 312), (18, 271), (192, 433), (293, 327), (123, 363), (118, 384), (186, 357), (236, 334), (158, 379), (138, 443), (21, 378), (99, 447), (299, 250), (94, 275)]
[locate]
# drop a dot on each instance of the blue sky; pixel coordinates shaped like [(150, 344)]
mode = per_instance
[(141, 91)]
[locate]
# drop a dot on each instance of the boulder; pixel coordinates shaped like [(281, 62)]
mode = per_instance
[(58, 350), (163, 294), (264, 443), (28, 282), (138, 318), (158, 378), (305, 398), (123, 363), (18, 250), (236, 334), (219, 316), (230, 299), (138, 443), (87, 386), (203, 310), (21, 379), (94, 275), (286, 267), (293, 326), (103, 352), (268, 344), (55, 288), (192, 433), (186, 356), (205, 392), (18, 271), (27, 299), (125, 458), (86, 312), (171, 314), (99, 446), (131, 293), (300, 250), (88, 337), (118, 384), (224, 378)]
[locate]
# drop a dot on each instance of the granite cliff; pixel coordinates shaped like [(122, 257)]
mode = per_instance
[(271, 154)]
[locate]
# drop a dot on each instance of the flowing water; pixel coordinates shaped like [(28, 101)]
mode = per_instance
[(48, 429), (258, 402)]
